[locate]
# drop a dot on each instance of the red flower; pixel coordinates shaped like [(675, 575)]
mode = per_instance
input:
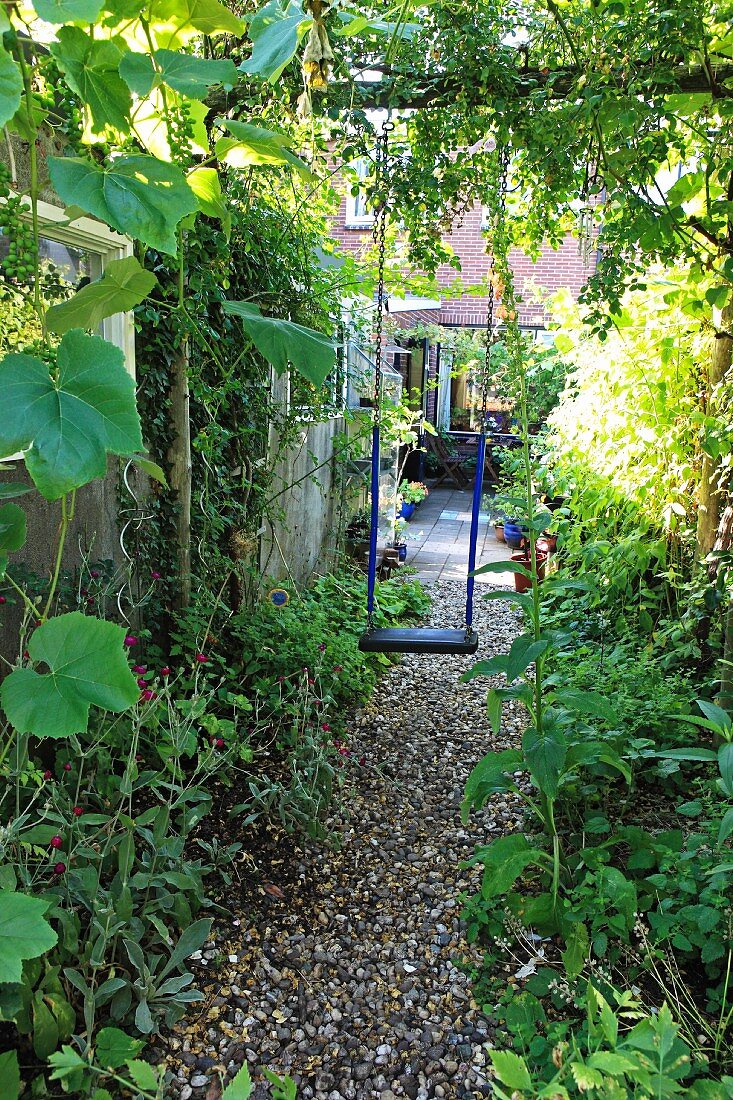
[(322, 647), (94, 573), (325, 727), (59, 868), (130, 640), (57, 842), (311, 680), (139, 669), (77, 811), (338, 668), (220, 742), (362, 761), (67, 766), (343, 751), (142, 683), (148, 695), (3, 600), (155, 574), (165, 671), (201, 658), (48, 774)]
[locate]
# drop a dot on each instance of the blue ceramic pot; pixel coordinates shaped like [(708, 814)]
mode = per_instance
[(513, 534), (406, 510)]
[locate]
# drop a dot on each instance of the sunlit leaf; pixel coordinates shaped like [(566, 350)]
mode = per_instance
[(87, 666), (208, 16), (11, 87), (123, 285), (24, 933), (283, 342), (68, 11), (251, 145), (206, 186), (139, 195), (91, 69)]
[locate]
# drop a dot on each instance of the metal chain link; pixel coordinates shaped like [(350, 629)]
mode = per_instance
[(379, 234), (499, 220)]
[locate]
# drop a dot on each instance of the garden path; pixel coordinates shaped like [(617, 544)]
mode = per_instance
[(437, 539), (347, 974)]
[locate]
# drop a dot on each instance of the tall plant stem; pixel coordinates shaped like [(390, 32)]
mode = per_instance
[(68, 504), (33, 189)]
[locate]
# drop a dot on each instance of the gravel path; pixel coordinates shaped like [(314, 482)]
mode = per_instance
[(353, 985)]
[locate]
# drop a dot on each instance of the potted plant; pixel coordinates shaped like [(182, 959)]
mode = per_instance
[(411, 493)]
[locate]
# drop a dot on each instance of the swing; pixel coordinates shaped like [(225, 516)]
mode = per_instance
[(418, 639)]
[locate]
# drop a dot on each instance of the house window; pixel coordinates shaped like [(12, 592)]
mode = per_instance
[(70, 253), (358, 216)]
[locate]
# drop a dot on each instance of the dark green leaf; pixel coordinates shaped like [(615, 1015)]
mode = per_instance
[(726, 827), (545, 755), (87, 666), (114, 1048), (68, 424), (275, 32), (10, 1074), (138, 195), (12, 532), (45, 1028), (123, 285), (193, 76), (587, 702), (283, 342)]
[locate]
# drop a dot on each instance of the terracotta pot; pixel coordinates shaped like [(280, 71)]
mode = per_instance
[(499, 531), (547, 544), (522, 583)]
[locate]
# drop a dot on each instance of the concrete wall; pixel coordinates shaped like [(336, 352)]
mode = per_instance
[(303, 537)]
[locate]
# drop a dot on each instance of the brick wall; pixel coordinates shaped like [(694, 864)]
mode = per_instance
[(555, 269)]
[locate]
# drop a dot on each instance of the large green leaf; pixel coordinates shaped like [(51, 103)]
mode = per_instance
[(188, 75), (10, 1074), (123, 285), (11, 87), (511, 1069), (140, 196), (24, 933), (12, 532), (184, 16), (87, 664), (503, 861), (492, 774), (68, 424), (68, 11), (587, 702), (545, 755), (275, 31), (91, 68), (206, 186), (283, 342), (254, 145)]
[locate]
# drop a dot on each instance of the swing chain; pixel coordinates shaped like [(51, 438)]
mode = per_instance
[(379, 236), (499, 220)]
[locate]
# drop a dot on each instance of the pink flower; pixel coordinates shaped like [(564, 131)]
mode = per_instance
[(94, 573), (148, 694), (130, 640), (219, 742), (343, 751), (3, 600), (165, 671), (67, 766), (325, 727), (77, 811), (142, 683), (59, 868), (48, 774), (139, 669), (56, 842), (155, 574), (201, 658)]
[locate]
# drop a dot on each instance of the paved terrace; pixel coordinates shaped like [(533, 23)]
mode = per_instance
[(437, 539)]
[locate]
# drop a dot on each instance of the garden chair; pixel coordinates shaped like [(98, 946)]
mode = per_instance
[(450, 464)]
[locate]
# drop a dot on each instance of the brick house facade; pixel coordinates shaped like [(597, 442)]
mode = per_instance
[(420, 365)]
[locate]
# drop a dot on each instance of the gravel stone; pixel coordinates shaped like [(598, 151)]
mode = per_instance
[(354, 988)]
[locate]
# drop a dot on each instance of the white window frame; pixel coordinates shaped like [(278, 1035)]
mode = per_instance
[(105, 245), (357, 214)]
